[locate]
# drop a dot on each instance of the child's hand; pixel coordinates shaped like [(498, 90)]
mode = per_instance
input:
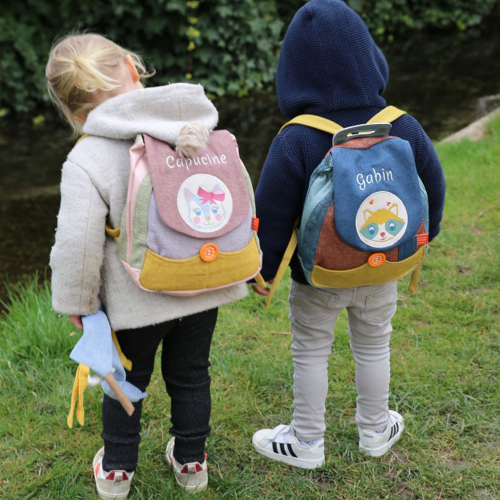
[(76, 321), (262, 291)]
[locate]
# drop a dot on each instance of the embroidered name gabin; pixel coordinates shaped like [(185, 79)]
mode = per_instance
[(383, 175)]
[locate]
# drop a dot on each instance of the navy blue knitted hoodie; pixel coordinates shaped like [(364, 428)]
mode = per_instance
[(329, 66)]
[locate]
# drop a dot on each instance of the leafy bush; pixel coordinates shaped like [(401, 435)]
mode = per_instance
[(392, 16), (397, 16), (229, 50), (229, 46)]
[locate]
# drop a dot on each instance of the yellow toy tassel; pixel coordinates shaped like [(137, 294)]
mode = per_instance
[(127, 364), (79, 386)]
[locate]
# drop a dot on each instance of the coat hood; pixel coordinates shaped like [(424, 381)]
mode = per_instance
[(160, 112), (329, 61)]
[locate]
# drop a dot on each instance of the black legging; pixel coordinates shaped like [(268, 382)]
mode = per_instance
[(184, 365)]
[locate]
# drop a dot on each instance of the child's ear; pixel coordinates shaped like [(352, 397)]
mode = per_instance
[(134, 74), (81, 117)]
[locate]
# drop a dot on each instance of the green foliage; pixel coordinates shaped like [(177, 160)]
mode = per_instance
[(229, 47), (228, 50), (393, 16), (388, 17)]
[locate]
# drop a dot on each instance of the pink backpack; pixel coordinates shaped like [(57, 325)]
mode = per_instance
[(189, 224)]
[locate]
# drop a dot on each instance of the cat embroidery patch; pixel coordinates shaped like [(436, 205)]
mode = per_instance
[(205, 203), (381, 220)]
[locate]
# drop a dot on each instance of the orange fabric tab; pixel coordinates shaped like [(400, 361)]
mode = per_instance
[(422, 239), (255, 224)]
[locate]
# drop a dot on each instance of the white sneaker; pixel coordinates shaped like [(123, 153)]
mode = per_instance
[(114, 484), (376, 444), (280, 444), (192, 477)]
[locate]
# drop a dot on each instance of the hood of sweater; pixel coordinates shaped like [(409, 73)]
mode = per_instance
[(160, 112), (329, 62)]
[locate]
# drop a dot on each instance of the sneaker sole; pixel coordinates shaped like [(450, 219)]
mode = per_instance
[(297, 462), (192, 489), (109, 496), (382, 450)]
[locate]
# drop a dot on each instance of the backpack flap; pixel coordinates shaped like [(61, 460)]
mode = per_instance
[(204, 196), (376, 188)]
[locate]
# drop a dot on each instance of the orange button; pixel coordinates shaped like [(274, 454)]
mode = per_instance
[(376, 259), (209, 252)]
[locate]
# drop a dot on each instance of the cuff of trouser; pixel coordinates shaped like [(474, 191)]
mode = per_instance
[(121, 435), (189, 450)]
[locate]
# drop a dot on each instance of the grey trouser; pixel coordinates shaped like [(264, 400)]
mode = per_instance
[(313, 314)]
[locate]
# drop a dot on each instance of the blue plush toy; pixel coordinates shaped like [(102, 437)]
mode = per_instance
[(98, 350)]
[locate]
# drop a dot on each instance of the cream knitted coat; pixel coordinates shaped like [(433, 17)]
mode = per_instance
[(85, 267)]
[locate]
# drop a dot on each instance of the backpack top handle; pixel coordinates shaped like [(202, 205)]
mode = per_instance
[(367, 130)]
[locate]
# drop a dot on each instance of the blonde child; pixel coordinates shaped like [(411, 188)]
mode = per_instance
[(97, 87)]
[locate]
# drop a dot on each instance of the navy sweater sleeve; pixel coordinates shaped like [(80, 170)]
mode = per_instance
[(278, 198), (430, 172)]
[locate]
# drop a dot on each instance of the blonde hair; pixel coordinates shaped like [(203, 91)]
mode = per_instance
[(81, 65)]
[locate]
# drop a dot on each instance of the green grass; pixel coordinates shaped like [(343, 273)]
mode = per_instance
[(445, 363)]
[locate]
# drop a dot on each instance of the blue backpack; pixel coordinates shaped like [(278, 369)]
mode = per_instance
[(365, 219)]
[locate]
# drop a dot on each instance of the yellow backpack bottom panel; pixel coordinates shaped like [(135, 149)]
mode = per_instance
[(365, 274), (179, 275)]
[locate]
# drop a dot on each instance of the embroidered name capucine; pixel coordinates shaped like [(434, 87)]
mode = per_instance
[(173, 162)]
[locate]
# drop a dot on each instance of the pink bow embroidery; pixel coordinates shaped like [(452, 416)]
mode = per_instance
[(210, 196)]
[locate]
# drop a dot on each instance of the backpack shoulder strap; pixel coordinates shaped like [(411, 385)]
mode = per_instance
[(324, 125), (387, 115), (287, 257), (314, 121), (81, 138)]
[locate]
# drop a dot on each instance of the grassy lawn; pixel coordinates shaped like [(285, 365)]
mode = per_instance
[(445, 364)]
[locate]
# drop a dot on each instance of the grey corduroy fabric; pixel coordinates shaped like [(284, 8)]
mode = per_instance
[(85, 267)]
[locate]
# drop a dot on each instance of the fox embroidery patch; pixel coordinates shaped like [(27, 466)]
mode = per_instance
[(381, 220)]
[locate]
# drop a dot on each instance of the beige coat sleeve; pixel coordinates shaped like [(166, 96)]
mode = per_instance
[(78, 252)]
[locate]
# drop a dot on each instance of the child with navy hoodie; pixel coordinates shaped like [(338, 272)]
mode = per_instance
[(330, 66)]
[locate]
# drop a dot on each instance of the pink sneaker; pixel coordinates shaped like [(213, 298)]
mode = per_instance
[(114, 484), (192, 477)]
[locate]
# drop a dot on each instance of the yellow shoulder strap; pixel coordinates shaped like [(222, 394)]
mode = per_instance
[(314, 121), (412, 287), (260, 281), (81, 138), (290, 249), (113, 232), (387, 115)]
